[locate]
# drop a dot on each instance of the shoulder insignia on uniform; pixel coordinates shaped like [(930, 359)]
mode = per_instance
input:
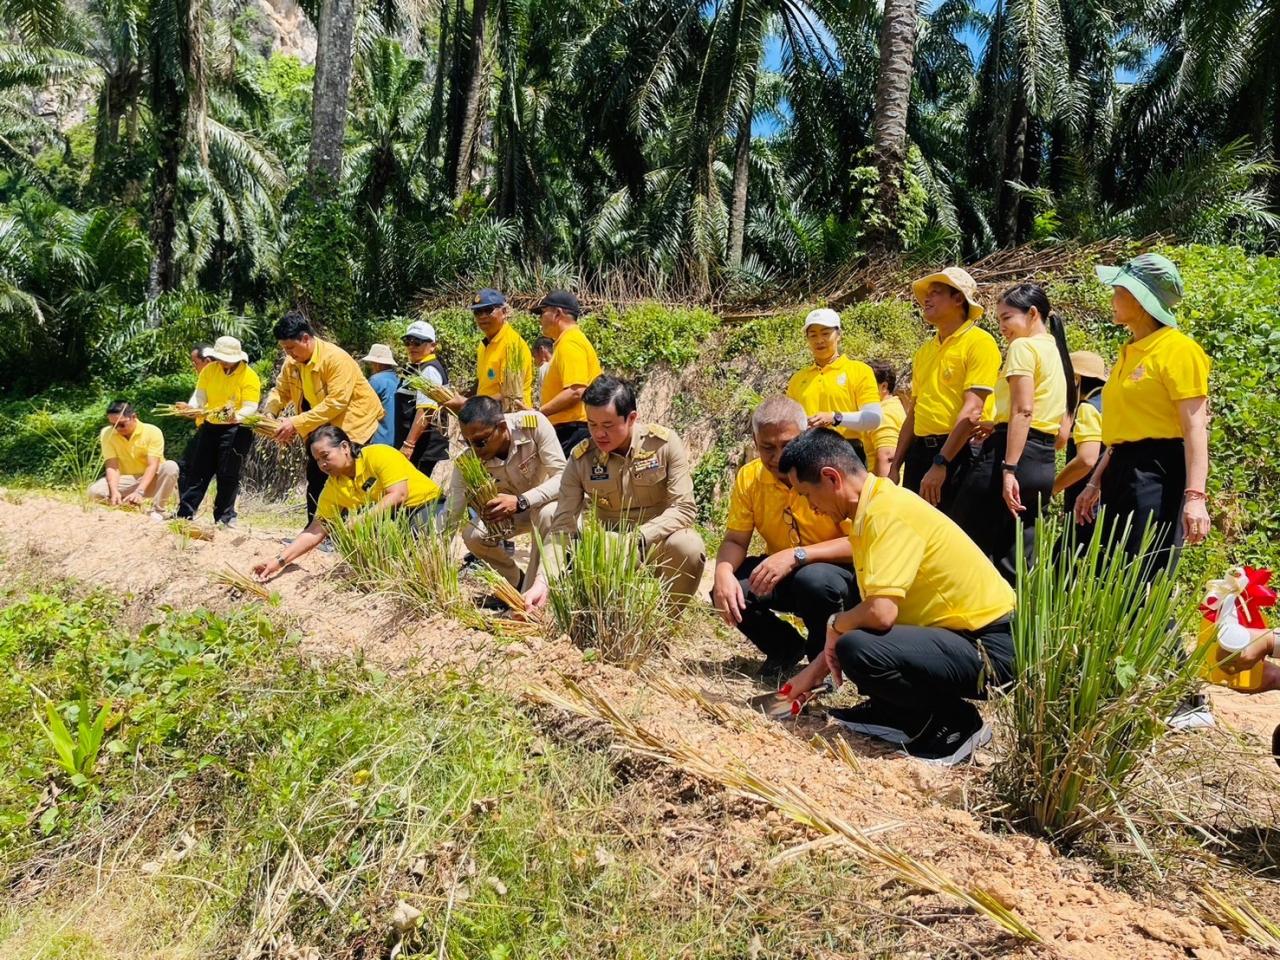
[(581, 449), (529, 421), (662, 433)]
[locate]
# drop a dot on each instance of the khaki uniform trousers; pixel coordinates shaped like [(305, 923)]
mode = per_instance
[(162, 486), (496, 556), (679, 559)]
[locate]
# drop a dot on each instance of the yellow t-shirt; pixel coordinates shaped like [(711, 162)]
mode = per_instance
[(132, 452), (785, 519), (1088, 425), (378, 468), (844, 385), (892, 416), (491, 362), (943, 370), (240, 387), (573, 363), (1150, 377), (1038, 358), (906, 550)]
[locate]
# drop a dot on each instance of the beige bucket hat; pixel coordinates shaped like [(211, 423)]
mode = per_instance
[(380, 353), (1086, 363), (227, 350), (955, 278)]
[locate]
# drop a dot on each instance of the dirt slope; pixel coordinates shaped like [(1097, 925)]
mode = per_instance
[(916, 804)]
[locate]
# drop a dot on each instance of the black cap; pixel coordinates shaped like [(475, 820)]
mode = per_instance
[(486, 298), (561, 299)]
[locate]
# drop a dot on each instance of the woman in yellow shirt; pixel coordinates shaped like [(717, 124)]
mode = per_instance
[(836, 391), (370, 478), (1012, 477), (1156, 427)]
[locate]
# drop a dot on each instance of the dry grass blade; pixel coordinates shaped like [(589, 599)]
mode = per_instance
[(728, 714), (233, 578), (788, 799), (1242, 918), (497, 585), (838, 749)]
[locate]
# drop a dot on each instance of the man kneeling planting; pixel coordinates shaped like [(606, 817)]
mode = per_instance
[(933, 627)]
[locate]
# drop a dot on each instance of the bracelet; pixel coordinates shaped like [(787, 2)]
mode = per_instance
[(1091, 485), (281, 560), (1195, 495)]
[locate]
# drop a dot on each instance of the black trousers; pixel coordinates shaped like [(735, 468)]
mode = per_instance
[(919, 459), (571, 434), (219, 451), (1144, 483), (812, 593), (979, 506), (315, 483), (426, 464), (925, 672)]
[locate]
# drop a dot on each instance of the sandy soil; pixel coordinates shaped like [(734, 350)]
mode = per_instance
[(918, 807)]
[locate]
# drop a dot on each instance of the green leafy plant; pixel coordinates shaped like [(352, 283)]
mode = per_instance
[(606, 599), (384, 552), (76, 753), (1100, 667)]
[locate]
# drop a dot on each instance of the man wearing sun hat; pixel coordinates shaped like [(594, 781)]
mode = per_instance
[(228, 387), (385, 382), (953, 377)]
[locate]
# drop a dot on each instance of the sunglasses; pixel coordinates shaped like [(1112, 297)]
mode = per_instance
[(413, 341), (793, 528), (479, 443)]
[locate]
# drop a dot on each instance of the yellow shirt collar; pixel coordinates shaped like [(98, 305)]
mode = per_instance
[(869, 490), (960, 330)]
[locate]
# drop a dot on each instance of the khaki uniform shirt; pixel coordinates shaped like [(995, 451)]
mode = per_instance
[(649, 488), (334, 388), (531, 469)]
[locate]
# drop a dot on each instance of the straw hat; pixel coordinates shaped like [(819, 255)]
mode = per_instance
[(1086, 363), (956, 279), (227, 350), (380, 353)]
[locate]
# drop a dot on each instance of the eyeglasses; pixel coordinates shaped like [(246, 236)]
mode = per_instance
[(793, 528)]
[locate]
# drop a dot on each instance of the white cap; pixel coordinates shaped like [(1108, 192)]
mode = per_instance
[(822, 317), (422, 330)]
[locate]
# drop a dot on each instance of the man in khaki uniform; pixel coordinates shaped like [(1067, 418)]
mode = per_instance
[(323, 384), (637, 477), (521, 453)]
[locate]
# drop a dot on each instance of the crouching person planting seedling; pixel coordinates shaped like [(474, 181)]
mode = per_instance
[(933, 628), (373, 478)]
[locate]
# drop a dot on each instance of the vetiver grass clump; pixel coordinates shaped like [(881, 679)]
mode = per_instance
[(1101, 665), (607, 600), (383, 553)]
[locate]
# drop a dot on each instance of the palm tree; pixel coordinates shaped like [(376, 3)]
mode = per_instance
[(335, 33), (893, 98)]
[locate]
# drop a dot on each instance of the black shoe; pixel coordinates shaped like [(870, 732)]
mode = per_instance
[(1275, 745), (469, 561), (491, 602), (879, 720), (951, 738)]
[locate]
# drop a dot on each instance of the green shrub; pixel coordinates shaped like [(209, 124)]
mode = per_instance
[(888, 330), (633, 341)]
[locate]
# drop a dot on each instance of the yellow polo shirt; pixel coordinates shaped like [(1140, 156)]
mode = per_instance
[(491, 362), (378, 468), (1088, 425), (943, 370), (238, 388), (785, 519), (132, 452), (1150, 377), (844, 385), (1038, 358), (892, 416), (908, 551), (573, 363)]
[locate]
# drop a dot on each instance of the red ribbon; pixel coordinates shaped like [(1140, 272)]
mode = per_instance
[(1250, 602)]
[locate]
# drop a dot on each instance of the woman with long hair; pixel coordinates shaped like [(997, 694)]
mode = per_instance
[(1012, 477)]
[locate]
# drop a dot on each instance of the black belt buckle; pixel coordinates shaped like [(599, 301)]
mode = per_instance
[(933, 442)]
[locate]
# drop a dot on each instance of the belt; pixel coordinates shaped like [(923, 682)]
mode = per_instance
[(933, 441), (1032, 433)]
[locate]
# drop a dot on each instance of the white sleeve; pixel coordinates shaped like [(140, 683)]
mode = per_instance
[(198, 398), (868, 418), (247, 408)]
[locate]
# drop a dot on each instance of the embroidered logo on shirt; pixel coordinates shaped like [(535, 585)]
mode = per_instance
[(1139, 372), (842, 379), (491, 374)]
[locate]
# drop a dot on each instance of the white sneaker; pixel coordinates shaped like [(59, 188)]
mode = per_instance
[(1192, 713)]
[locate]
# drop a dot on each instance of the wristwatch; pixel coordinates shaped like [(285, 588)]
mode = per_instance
[(1009, 467), (831, 621), (939, 460), (522, 503), (837, 418), (801, 555)]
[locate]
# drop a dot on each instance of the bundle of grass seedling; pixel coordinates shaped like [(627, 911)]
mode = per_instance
[(1100, 667), (480, 488), (515, 370), (441, 394), (176, 410), (261, 424), (498, 585), (605, 598), (384, 553)]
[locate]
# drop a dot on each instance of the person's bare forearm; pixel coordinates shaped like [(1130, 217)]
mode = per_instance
[(113, 481), (1075, 471), (905, 436), (966, 422), (563, 400)]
